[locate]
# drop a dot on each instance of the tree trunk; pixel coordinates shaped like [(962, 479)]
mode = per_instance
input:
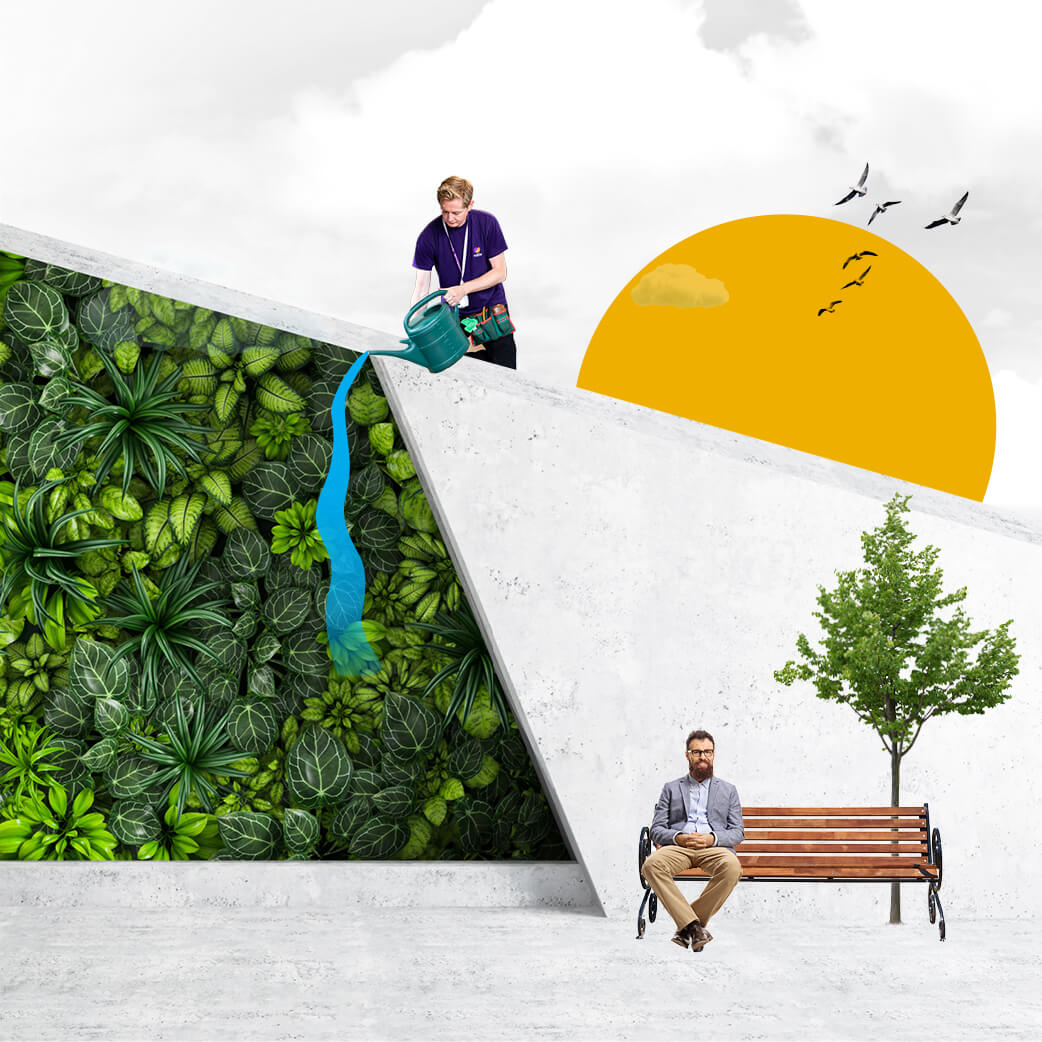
[(895, 801)]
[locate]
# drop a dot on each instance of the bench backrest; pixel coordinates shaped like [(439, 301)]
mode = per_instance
[(835, 842)]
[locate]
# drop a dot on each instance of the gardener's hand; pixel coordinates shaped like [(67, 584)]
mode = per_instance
[(454, 294), (694, 840)]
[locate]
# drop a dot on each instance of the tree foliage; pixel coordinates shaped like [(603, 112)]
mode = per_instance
[(897, 649)]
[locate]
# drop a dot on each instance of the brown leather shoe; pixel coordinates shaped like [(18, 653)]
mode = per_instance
[(699, 935), (682, 937)]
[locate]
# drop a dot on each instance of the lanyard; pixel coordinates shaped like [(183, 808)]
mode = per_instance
[(466, 240)]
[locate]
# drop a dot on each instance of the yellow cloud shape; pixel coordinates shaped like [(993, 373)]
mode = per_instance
[(679, 286)]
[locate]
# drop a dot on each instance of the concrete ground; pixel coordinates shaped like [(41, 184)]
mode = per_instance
[(242, 973)]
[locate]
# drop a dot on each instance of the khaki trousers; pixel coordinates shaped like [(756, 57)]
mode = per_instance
[(724, 871)]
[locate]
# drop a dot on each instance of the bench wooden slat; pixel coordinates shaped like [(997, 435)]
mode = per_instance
[(822, 847), (807, 812), (842, 872), (814, 860), (840, 835), (833, 823)]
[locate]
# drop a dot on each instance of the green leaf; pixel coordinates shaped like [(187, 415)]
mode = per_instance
[(268, 488), (487, 774), (101, 755), (350, 818), (67, 713), (381, 437), (300, 830), (286, 609), (395, 802), (415, 509), (67, 282), (94, 671), (376, 530), (44, 451), (309, 459), (410, 728), (303, 654), (34, 311), (475, 821), (253, 726), (50, 358), (129, 776), (451, 789), (18, 409), (126, 354), (378, 839), (218, 486), (435, 809), (258, 360), (250, 835), (53, 395), (365, 486), (246, 555), (366, 782), (185, 512), (400, 466), (223, 341), (102, 327), (134, 822), (226, 397), (366, 406), (110, 717), (318, 769)]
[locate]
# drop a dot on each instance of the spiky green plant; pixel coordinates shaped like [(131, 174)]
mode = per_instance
[(43, 826), (31, 667), (161, 624), (458, 638), (144, 425), (295, 530), (344, 711), (194, 751), (26, 754), (36, 563)]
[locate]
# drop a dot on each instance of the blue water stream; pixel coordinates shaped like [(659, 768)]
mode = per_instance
[(352, 656)]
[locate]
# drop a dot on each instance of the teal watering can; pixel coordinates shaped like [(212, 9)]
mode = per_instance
[(435, 338)]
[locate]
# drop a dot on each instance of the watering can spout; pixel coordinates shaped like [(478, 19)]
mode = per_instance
[(435, 338)]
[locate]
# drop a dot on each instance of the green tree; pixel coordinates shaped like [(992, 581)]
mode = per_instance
[(898, 650)]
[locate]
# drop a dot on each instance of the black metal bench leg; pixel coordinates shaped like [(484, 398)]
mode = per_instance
[(933, 901), (640, 915), (933, 898)]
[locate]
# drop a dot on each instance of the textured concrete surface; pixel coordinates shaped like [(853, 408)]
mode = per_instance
[(504, 974), (639, 575)]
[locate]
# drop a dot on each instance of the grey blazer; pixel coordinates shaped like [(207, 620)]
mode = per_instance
[(724, 812)]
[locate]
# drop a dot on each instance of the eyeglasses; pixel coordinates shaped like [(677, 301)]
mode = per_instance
[(696, 753)]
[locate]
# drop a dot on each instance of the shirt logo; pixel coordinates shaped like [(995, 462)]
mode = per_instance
[(477, 251)]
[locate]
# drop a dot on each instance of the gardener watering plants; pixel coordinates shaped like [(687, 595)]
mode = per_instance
[(467, 248)]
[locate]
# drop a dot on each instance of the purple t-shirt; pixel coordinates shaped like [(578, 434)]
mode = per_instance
[(435, 250)]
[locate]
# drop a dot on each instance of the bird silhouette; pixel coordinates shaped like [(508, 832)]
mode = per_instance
[(860, 280), (829, 309), (952, 217), (859, 255), (881, 208), (859, 189)]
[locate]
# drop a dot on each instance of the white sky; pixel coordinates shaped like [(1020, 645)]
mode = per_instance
[(296, 155)]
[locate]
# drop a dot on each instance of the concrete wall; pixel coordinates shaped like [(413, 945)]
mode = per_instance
[(639, 575)]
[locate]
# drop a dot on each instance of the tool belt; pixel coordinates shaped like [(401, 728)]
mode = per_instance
[(488, 324)]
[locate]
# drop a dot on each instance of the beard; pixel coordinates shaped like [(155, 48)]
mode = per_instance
[(702, 771)]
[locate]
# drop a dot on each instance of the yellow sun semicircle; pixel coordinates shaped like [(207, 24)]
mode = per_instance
[(724, 328)]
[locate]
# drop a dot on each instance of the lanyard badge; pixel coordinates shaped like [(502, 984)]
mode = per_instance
[(466, 241)]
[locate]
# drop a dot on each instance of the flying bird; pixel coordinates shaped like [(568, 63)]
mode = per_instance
[(860, 280), (859, 255), (859, 189), (829, 309), (881, 208), (952, 217)]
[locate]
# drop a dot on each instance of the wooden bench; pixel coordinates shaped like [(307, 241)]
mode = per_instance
[(828, 845)]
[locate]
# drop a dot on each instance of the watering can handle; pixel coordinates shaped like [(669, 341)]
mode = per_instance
[(419, 304)]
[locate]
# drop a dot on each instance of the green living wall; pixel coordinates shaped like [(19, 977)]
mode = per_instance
[(165, 687)]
